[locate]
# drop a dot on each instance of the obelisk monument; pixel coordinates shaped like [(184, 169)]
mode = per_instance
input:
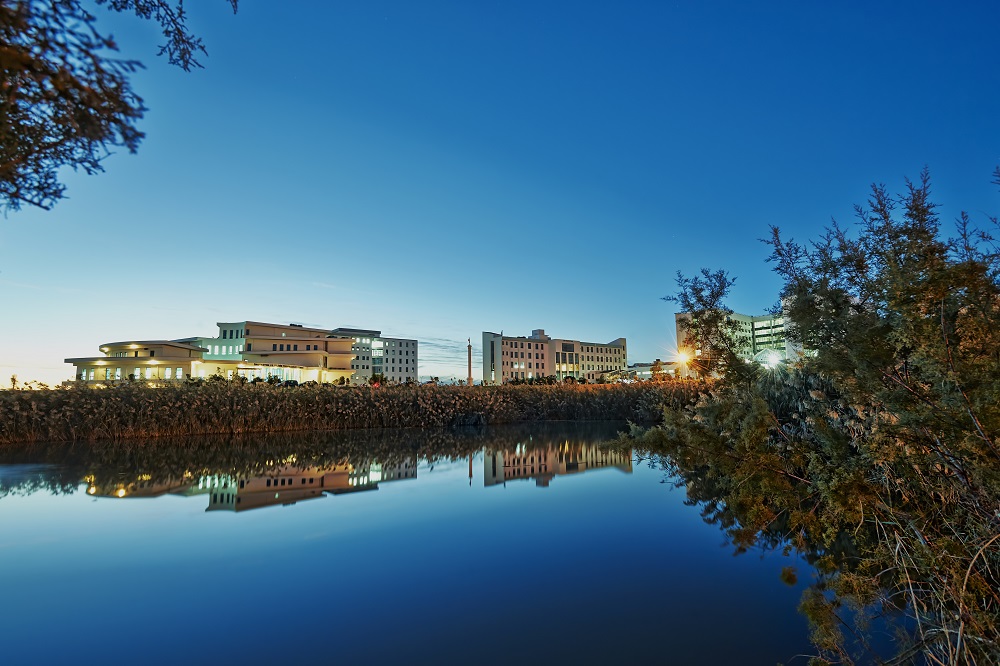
[(470, 363)]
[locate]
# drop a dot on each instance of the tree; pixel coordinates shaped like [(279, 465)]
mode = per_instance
[(878, 455), (66, 98), (707, 325), (656, 372)]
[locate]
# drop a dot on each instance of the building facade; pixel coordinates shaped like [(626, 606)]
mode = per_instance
[(393, 358), (763, 336), (152, 360), (506, 358), (254, 350)]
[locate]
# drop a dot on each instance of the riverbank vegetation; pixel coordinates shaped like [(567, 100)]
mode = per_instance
[(876, 454), (132, 410)]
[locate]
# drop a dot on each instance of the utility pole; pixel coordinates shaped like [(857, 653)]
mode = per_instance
[(470, 362)]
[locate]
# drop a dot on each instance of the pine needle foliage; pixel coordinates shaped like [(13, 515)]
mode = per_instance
[(877, 457)]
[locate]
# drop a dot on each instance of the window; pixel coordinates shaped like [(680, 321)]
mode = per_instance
[(296, 347), (152, 353), (118, 373), (168, 373), (274, 347), (149, 373), (180, 373)]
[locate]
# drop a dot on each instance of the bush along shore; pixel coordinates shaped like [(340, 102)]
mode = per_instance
[(135, 410)]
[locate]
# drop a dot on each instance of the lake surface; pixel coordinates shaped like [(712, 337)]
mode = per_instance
[(513, 545)]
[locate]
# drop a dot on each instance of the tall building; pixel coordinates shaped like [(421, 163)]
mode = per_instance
[(510, 357), (393, 358)]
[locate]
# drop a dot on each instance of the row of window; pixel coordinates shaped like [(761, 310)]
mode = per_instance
[(521, 354), (225, 349), (520, 345), (290, 481), (289, 347), (88, 374), (516, 364)]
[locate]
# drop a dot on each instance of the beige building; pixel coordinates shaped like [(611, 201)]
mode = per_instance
[(152, 360), (508, 357), (248, 348), (289, 352)]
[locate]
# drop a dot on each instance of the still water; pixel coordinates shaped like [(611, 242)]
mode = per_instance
[(511, 545)]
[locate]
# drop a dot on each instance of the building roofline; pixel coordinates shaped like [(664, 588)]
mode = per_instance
[(264, 323), (147, 343), (346, 330)]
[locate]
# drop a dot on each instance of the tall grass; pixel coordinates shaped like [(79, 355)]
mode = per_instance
[(134, 410)]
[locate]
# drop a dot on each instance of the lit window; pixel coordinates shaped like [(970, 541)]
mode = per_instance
[(180, 373), (168, 373), (149, 373), (118, 373)]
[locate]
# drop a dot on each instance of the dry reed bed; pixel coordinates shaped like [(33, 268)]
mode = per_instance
[(134, 410)]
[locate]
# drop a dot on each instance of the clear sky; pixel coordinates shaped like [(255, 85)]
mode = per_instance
[(438, 169)]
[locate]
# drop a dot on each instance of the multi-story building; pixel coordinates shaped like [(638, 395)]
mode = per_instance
[(393, 358), (510, 357), (253, 349), (286, 351), (763, 336)]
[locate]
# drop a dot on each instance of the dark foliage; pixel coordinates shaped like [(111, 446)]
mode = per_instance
[(65, 96)]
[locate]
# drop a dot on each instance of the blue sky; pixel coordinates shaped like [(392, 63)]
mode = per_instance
[(438, 169)]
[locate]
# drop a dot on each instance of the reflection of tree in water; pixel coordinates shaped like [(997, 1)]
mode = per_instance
[(864, 578), (172, 464), (28, 478)]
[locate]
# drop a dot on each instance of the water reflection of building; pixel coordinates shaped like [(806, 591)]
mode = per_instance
[(141, 486), (542, 464), (289, 484)]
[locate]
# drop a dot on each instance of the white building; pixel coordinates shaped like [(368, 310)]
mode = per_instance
[(509, 357), (763, 335), (393, 358)]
